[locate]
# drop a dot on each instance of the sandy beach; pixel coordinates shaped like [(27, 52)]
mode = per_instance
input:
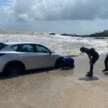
[(40, 34), (56, 88)]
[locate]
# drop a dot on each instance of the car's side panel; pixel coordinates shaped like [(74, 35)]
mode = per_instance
[(30, 60), (45, 60), (38, 60)]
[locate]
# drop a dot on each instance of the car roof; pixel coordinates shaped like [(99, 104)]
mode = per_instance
[(14, 43)]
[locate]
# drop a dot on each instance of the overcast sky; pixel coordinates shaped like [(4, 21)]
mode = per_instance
[(70, 16)]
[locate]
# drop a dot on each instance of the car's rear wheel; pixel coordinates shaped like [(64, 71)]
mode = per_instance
[(13, 69)]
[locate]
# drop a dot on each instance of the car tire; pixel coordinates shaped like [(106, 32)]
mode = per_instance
[(14, 69), (59, 63)]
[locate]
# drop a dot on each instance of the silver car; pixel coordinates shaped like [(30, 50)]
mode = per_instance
[(20, 56)]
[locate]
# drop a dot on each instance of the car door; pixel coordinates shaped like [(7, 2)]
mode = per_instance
[(45, 57), (28, 55), (35, 56)]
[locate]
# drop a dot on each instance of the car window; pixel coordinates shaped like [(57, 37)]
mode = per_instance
[(26, 48), (23, 48), (42, 49), (15, 47)]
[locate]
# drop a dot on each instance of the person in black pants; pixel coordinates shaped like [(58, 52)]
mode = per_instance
[(106, 63), (93, 57)]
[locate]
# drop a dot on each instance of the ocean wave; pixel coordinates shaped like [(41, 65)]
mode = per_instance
[(61, 44)]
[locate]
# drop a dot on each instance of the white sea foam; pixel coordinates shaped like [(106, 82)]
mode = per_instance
[(61, 44), (100, 44)]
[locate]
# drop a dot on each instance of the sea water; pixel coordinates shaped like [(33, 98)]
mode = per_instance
[(66, 45)]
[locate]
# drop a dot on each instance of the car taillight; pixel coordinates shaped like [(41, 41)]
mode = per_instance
[(1, 54)]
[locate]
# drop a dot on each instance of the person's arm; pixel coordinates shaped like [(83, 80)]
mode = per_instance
[(89, 56)]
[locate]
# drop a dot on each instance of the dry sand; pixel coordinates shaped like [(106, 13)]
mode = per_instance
[(56, 89)]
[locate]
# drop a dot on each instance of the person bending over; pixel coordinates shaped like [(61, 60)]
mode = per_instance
[(93, 57)]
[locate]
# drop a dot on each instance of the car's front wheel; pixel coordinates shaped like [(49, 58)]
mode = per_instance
[(59, 63)]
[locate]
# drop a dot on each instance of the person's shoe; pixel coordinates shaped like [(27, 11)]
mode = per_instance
[(89, 74), (104, 70)]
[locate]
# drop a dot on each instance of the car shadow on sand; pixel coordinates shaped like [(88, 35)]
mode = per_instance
[(35, 71)]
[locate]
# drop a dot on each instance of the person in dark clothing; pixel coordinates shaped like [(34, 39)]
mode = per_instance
[(93, 57), (106, 63)]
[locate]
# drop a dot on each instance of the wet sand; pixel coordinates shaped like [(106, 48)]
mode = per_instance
[(56, 88)]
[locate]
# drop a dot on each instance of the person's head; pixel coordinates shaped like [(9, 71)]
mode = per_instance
[(82, 49)]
